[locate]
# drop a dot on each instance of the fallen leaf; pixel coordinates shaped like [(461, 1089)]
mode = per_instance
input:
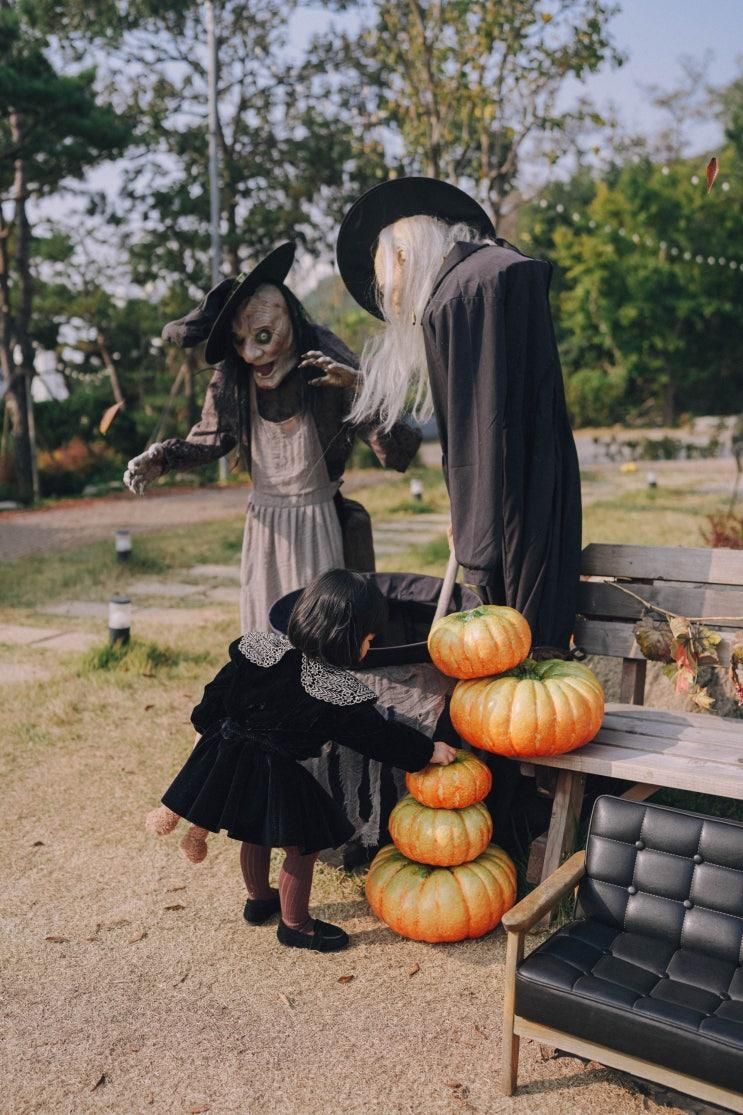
[(285, 999), (345, 979), (199, 1110), (453, 1083), (148, 707), (176, 906), (102, 1079), (654, 637), (172, 890), (138, 937), (547, 17), (414, 970), (736, 670), (108, 417), (38, 844), (702, 699), (713, 169), (57, 940)]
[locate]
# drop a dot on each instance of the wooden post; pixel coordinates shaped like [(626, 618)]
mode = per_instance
[(632, 687), (509, 1040), (563, 824)]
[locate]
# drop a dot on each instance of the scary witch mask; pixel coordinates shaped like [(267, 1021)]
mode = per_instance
[(263, 338)]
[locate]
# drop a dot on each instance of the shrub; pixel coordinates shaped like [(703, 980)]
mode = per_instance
[(725, 531)]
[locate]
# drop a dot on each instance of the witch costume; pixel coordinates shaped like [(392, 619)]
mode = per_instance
[(267, 710), (509, 458), (298, 525)]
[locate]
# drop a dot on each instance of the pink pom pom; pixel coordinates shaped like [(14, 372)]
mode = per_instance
[(194, 845), (161, 821)]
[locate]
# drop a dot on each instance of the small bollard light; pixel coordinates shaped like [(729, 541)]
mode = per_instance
[(123, 542), (119, 620), (416, 489), (652, 480)]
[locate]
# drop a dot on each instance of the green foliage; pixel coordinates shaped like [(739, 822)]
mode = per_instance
[(456, 90), (63, 129), (647, 315)]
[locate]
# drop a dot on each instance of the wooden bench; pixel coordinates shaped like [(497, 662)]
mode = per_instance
[(649, 747)]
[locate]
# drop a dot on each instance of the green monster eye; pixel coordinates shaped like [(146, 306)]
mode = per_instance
[(263, 336)]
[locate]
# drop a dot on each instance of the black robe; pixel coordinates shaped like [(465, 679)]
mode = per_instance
[(509, 457)]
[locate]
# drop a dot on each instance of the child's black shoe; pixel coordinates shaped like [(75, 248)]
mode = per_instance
[(324, 937), (258, 910)]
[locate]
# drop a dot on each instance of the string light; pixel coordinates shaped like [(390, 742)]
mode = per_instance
[(648, 241)]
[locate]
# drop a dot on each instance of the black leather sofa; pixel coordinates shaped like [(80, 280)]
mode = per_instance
[(649, 974)]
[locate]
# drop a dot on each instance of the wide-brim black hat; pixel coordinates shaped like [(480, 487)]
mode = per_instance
[(386, 203), (273, 269)]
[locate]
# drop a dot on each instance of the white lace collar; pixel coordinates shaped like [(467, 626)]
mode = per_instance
[(325, 683)]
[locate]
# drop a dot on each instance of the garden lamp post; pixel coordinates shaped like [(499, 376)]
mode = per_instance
[(119, 620), (123, 543)]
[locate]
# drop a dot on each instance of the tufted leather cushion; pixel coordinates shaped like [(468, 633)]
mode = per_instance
[(652, 967)]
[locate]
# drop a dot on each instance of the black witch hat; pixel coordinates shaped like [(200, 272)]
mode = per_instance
[(211, 320), (386, 203)]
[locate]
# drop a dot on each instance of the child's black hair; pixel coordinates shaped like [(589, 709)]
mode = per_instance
[(334, 615)]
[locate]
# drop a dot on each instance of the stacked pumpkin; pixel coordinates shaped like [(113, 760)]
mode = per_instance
[(442, 880), (506, 702)]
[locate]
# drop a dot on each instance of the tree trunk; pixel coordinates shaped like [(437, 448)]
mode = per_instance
[(111, 369), (21, 412), (669, 402)]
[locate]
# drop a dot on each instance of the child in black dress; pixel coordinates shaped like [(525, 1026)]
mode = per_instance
[(275, 703)]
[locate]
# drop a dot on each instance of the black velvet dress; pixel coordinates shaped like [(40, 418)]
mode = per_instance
[(267, 710)]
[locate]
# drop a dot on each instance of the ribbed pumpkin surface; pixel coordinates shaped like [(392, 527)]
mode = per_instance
[(483, 641), (437, 904), (441, 837), (465, 781), (540, 708)]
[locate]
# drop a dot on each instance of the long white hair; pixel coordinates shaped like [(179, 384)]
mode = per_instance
[(408, 258)]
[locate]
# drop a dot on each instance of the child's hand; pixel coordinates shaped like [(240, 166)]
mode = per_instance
[(443, 754)]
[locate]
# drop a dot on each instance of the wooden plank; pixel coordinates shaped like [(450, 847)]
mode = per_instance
[(640, 792), (660, 770), (632, 687), (509, 1041), (615, 639), (728, 753), (563, 823), (675, 719), (603, 599), (664, 563), (689, 733), (613, 1059), (526, 913)]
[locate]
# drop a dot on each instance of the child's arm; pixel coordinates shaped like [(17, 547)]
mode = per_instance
[(362, 728), (211, 706)]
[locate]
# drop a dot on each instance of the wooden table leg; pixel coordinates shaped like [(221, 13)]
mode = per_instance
[(563, 823)]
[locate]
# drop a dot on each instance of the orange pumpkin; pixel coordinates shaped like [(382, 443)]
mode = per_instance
[(441, 837), (540, 708), (441, 903), (486, 640), (465, 781)]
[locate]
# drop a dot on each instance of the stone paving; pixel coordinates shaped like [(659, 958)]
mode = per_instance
[(197, 590)]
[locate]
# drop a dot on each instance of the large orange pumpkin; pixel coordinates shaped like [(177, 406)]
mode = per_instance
[(441, 903), (540, 708), (465, 781), (441, 837), (486, 640)]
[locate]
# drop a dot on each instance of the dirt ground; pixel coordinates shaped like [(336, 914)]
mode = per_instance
[(130, 982)]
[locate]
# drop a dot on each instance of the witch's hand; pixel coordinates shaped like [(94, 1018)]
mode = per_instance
[(334, 374), (145, 468)]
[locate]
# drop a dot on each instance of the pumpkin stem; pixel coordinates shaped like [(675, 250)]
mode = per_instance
[(527, 669)]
